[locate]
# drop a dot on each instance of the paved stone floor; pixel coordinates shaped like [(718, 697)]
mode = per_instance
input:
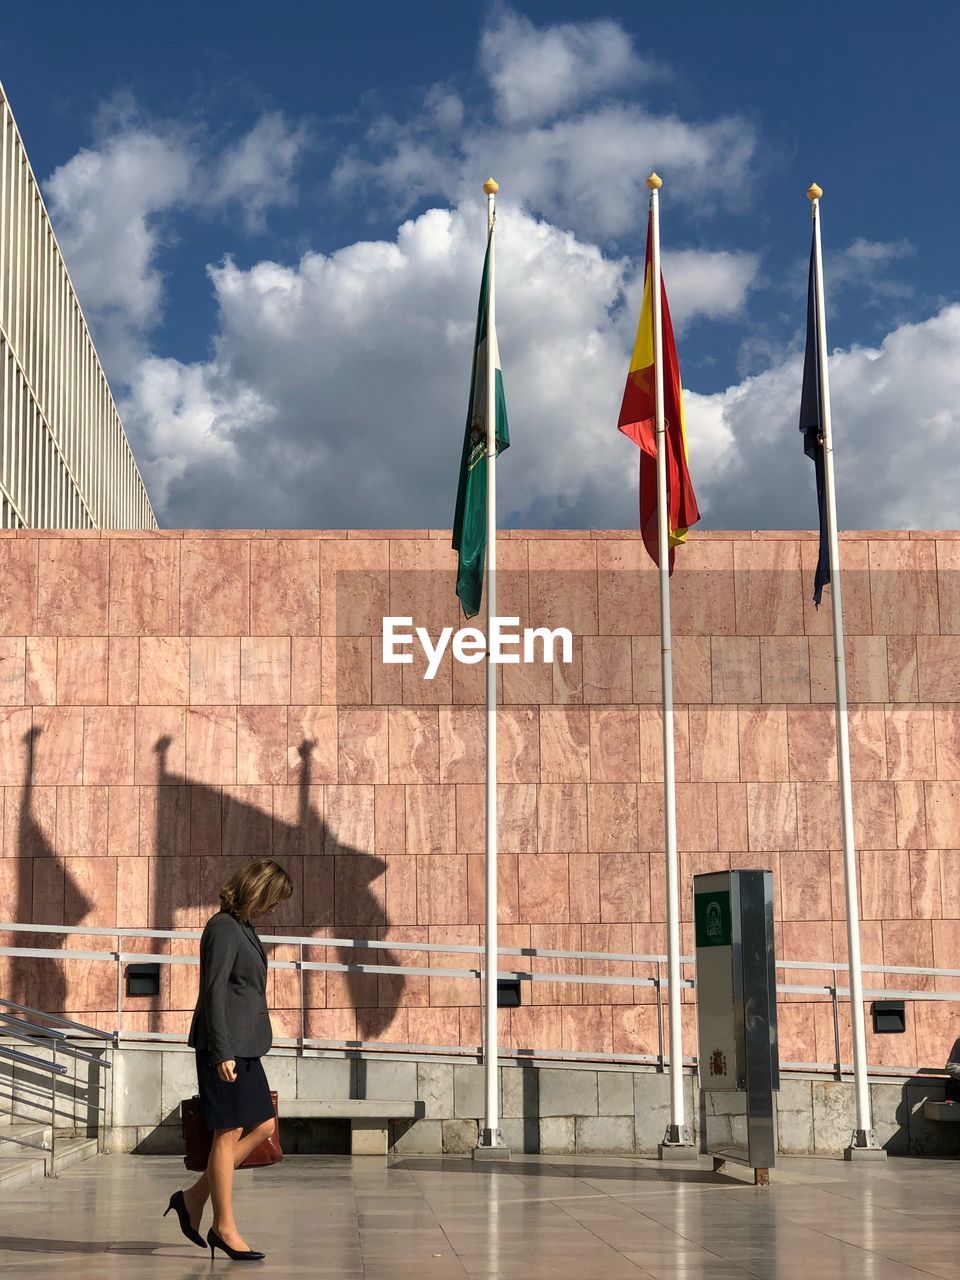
[(539, 1217)]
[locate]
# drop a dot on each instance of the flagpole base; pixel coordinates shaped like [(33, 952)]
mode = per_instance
[(864, 1146), (677, 1146), (491, 1146)]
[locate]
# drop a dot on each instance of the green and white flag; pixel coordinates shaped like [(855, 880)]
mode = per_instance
[(470, 520)]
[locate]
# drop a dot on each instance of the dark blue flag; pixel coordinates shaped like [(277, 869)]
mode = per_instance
[(811, 424)]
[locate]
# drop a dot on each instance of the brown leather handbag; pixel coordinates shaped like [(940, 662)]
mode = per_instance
[(198, 1139)]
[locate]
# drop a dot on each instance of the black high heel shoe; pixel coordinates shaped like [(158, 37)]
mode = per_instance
[(179, 1206), (235, 1255)]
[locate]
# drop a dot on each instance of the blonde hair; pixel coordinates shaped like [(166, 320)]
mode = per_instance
[(255, 889)]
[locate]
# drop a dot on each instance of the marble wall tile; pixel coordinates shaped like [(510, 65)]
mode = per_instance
[(261, 745), (215, 587), (614, 744), (866, 658), (354, 586), (714, 744), (903, 587), (947, 730), (925, 895), (285, 586), (874, 815), (123, 673), (133, 893), (18, 586), (363, 751), (584, 874), (346, 671), (624, 887), (214, 670), (529, 682), (462, 751), (212, 745), (769, 592), (762, 743), (651, 744), (902, 668), (696, 816), (812, 744), (508, 887), (702, 597), (565, 744), (82, 670), (414, 744), (555, 937), (305, 676), (544, 889), (265, 670), (771, 815), (735, 666), (650, 815), (568, 676), (885, 884), (108, 745), (804, 885), (165, 822), (58, 747), (73, 574), (868, 746), (732, 815), (587, 1030), (563, 584), (627, 588), (12, 671), (165, 668), (948, 586), (942, 807), (518, 744), (40, 677), (855, 582), (911, 746), (607, 669), (144, 596), (908, 942), (312, 739), (818, 814), (431, 819), (784, 669), (81, 822), (938, 659), (611, 816), (470, 810), (562, 818), (160, 744), (123, 823), (910, 814), (516, 816)]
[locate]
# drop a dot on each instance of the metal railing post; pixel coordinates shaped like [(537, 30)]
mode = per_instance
[(660, 1045), (118, 953), (303, 1003), (52, 1167), (836, 1027)]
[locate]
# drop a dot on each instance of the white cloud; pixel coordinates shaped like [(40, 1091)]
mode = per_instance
[(896, 424), (257, 171), (563, 136), (537, 73), (111, 204)]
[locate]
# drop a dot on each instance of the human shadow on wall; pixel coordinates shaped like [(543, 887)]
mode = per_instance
[(203, 820), (47, 893)]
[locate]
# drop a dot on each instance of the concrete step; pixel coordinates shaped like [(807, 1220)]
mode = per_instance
[(21, 1164), (942, 1112), (351, 1109)]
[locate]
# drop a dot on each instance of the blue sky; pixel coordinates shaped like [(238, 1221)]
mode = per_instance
[(173, 141)]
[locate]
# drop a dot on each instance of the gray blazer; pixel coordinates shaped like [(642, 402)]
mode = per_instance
[(231, 1018)]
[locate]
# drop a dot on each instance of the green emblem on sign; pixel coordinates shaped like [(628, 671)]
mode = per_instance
[(712, 915)]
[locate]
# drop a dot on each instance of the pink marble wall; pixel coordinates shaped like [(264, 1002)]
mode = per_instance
[(173, 704)]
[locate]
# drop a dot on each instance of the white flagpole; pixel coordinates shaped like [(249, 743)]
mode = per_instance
[(490, 1139), (863, 1139), (676, 1135)]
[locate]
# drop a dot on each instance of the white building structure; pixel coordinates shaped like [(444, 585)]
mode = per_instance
[(65, 462)]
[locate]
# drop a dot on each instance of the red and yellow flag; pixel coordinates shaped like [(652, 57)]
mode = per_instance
[(638, 421)]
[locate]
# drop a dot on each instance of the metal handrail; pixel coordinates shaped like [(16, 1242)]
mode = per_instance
[(95, 1032), (29, 1031), (118, 956), (28, 1060)]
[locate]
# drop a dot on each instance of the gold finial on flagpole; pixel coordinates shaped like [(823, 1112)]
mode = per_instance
[(814, 192), (654, 182), (491, 187)]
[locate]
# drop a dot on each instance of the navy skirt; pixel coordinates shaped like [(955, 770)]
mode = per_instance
[(239, 1104)]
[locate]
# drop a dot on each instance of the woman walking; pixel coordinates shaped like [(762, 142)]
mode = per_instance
[(231, 1032)]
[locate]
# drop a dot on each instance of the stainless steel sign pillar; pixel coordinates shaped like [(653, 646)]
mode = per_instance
[(737, 1016)]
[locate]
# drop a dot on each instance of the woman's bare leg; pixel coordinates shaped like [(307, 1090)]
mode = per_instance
[(234, 1145)]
